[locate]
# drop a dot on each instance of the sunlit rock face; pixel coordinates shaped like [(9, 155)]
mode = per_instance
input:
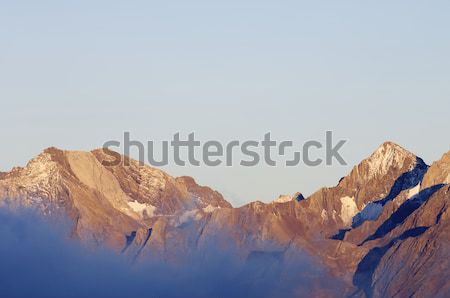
[(104, 203), (439, 172), (386, 219)]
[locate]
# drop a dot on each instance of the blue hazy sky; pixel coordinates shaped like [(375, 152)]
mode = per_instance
[(74, 74)]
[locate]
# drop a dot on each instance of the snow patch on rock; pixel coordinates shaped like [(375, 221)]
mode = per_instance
[(413, 191), (142, 209), (386, 156), (210, 208), (40, 173), (348, 209), (282, 199)]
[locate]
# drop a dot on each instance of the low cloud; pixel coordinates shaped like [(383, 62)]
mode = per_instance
[(39, 260)]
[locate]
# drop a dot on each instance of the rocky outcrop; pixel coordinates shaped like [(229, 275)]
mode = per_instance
[(439, 172)]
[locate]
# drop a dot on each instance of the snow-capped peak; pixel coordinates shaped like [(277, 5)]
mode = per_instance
[(386, 156)]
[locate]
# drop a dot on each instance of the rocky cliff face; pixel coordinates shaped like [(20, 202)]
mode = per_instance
[(382, 231), (439, 172)]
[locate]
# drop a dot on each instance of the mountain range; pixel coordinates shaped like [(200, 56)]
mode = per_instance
[(382, 231)]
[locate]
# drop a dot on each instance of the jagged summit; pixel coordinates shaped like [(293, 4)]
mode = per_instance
[(388, 155), (385, 164), (389, 147)]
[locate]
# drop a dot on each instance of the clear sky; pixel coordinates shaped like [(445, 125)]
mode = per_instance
[(74, 74)]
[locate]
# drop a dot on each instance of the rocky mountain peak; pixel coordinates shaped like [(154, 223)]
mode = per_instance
[(388, 155), (375, 175), (40, 172)]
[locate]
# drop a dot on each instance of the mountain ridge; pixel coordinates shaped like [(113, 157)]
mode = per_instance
[(145, 213)]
